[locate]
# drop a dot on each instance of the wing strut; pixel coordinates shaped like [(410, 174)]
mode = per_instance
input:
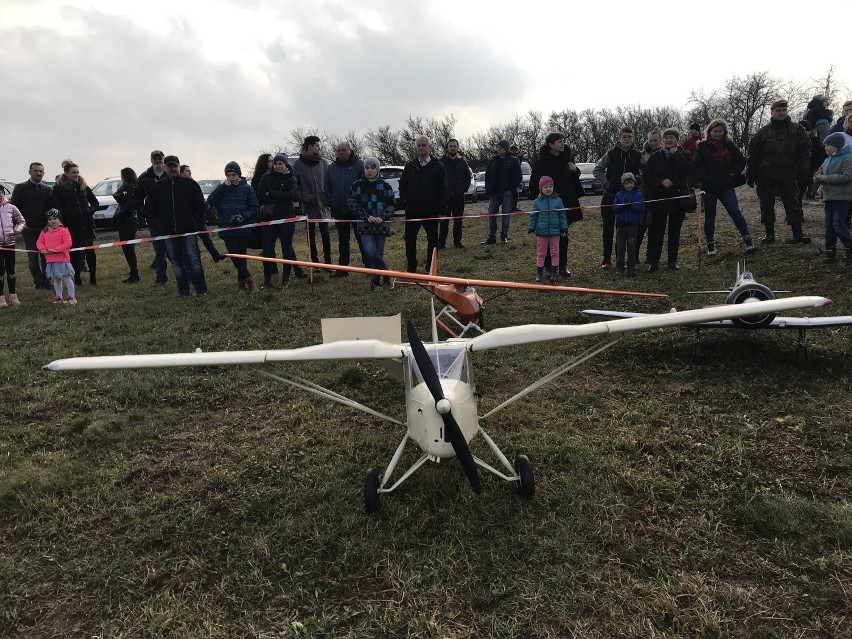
[(587, 354), (318, 390)]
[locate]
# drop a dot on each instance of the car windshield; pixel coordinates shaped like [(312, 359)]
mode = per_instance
[(480, 177), (107, 187), (586, 167), (208, 186), (390, 172), (8, 186)]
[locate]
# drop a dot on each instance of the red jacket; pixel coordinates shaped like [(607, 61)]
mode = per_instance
[(58, 239)]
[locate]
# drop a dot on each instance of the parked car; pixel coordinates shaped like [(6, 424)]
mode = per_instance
[(479, 186), (106, 202), (591, 184), (470, 195), (8, 185), (524, 186), (391, 175)]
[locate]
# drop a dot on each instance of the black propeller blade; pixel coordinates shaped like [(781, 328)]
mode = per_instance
[(451, 427)]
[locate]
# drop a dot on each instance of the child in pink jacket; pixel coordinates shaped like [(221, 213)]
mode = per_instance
[(11, 224), (55, 244)]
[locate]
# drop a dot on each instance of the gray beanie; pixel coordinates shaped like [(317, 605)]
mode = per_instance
[(371, 161), (233, 166), (837, 140)]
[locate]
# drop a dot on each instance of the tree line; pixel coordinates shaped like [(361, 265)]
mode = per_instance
[(743, 101)]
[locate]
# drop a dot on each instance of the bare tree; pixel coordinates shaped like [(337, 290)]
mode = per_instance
[(384, 143)]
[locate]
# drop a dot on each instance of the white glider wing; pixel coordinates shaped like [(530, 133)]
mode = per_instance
[(342, 350), (778, 322), (531, 333)]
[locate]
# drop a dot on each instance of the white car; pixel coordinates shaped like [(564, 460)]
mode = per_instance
[(106, 202), (479, 186), (8, 185), (391, 175)]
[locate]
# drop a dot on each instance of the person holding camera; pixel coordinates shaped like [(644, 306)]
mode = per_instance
[(237, 204)]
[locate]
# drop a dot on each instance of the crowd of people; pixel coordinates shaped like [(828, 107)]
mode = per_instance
[(647, 193)]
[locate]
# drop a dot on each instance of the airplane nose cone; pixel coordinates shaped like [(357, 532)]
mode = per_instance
[(443, 406)]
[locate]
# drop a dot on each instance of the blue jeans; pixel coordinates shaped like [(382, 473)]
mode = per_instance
[(159, 253), (494, 202), (186, 263), (373, 245), (238, 244), (271, 235), (728, 198), (835, 223)]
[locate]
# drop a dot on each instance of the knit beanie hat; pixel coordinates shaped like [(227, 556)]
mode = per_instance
[(280, 157), (371, 161), (545, 179), (233, 166), (628, 176), (837, 140)]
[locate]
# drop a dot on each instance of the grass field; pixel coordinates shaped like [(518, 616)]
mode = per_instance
[(673, 499)]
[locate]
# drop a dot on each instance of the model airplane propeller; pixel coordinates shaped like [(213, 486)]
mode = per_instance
[(463, 306), (442, 415), (747, 290)]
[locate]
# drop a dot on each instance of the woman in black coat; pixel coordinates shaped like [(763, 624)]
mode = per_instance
[(126, 220), (665, 177), (77, 204)]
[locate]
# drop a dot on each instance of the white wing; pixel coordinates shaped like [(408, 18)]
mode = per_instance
[(349, 349), (531, 333), (779, 322)]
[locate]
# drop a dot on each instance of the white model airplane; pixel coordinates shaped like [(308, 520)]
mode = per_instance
[(747, 290), (440, 395)]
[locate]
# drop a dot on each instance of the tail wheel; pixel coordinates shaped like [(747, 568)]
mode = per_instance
[(371, 491), (526, 487), (746, 294)]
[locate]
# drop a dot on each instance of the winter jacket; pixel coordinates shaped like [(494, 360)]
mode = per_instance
[(77, 204), (371, 199), (502, 174), (144, 185), (615, 163), (716, 177), (780, 150), (838, 126), (458, 175), (280, 190), (837, 172), (816, 111), (177, 205), (58, 239), (33, 201), (423, 189), (232, 200), (544, 221), (665, 166), (566, 184), (690, 144), (629, 207), (339, 180), (311, 173), (128, 204), (11, 223)]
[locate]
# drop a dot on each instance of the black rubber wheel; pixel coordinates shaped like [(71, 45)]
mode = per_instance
[(752, 292), (371, 491), (526, 487), (697, 354), (802, 356)]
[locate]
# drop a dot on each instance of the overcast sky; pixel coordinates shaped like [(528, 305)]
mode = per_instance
[(105, 82)]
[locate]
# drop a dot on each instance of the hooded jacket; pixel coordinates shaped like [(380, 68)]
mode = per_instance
[(77, 204), (58, 239), (629, 207), (280, 190), (544, 220), (372, 199), (837, 172), (231, 200), (339, 180), (11, 223)]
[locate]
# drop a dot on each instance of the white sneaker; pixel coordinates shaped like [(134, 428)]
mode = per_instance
[(13, 299)]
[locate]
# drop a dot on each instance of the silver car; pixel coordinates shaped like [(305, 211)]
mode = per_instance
[(106, 202)]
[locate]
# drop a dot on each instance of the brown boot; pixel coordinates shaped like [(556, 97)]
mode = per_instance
[(251, 287), (241, 286)]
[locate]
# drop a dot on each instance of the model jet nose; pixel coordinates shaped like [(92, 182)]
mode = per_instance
[(443, 406)]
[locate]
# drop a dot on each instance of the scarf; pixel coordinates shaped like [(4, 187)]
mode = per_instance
[(721, 154)]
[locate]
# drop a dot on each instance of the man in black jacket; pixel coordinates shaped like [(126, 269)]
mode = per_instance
[(502, 177), (620, 159), (423, 195), (33, 200), (458, 182), (176, 205), (154, 173)]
